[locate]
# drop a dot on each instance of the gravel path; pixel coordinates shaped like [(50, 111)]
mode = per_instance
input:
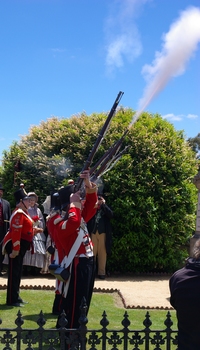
[(151, 291)]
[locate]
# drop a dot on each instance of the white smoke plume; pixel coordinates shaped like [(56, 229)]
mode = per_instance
[(179, 44)]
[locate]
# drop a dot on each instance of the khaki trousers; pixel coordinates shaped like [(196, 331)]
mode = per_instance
[(99, 249)]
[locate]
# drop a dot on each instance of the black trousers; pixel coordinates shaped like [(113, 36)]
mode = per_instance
[(15, 272), (81, 285), (2, 234)]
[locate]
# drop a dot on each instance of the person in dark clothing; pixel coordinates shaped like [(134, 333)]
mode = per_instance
[(184, 287), (99, 227), (5, 213)]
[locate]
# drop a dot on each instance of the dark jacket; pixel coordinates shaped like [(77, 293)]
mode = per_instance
[(6, 217), (185, 298), (104, 225)]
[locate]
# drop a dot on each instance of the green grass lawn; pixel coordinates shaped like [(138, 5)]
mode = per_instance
[(109, 303), (42, 300)]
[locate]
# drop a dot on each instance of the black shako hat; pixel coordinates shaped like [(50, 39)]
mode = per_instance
[(55, 201), (64, 195), (1, 187), (20, 195)]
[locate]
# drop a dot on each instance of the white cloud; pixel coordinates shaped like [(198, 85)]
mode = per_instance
[(122, 36), (177, 118), (173, 117), (58, 50), (192, 116), (121, 47)]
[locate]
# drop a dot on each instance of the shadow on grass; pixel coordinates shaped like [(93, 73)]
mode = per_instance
[(4, 307)]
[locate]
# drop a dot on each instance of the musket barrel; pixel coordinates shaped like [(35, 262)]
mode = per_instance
[(103, 130), (112, 154), (111, 151), (110, 164), (99, 138)]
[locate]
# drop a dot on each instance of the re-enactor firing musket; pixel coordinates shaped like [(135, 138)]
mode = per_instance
[(99, 139)]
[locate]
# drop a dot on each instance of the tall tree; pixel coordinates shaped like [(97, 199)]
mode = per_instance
[(150, 189), (195, 144)]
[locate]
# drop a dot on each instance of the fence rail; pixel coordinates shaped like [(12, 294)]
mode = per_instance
[(88, 339)]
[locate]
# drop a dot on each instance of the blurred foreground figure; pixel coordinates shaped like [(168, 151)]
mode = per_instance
[(185, 298)]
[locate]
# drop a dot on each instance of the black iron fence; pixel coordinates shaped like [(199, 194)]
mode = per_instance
[(39, 338)]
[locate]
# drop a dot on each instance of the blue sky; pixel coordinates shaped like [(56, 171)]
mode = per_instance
[(63, 57)]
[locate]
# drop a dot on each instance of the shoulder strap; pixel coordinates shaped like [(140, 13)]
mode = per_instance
[(68, 259)]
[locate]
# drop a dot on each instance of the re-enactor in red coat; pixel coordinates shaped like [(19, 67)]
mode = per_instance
[(59, 254), (16, 242), (82, 267)]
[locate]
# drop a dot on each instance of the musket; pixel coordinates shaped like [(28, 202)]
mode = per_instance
[(99, 139), (104, 169), (99, 162), (110, 156)]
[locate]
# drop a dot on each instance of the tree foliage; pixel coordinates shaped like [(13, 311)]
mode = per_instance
[(195, 144), (150, 189)]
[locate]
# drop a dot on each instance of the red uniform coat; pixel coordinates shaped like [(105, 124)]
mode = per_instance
[(21, 227), (51, 227), (67, 231)]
